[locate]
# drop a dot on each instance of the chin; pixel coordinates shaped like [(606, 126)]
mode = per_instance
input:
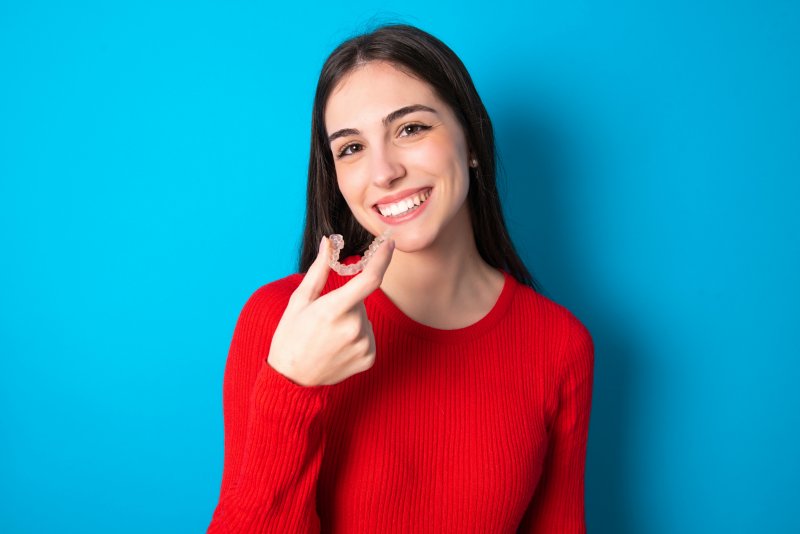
[(412, 242)]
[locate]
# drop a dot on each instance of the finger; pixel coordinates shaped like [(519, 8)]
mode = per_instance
[(368, 360), (314, 280), (371, 335), (368, 280), (361, 310)]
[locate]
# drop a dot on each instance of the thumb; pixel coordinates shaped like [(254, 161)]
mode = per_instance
[(314, 280), (380, 260)]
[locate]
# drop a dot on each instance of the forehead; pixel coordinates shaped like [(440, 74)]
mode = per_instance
[(370, 92)]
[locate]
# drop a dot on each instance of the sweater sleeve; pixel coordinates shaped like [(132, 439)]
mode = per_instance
[(558, 503), (273, 431)]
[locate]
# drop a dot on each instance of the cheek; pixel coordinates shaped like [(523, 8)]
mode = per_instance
[(441, 154), (352, 187), (348, 183), (444, 159)]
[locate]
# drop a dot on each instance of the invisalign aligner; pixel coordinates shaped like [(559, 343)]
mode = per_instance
[(337, 241)]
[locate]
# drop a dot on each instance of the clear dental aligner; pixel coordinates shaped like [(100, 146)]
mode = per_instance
[(337, 241)]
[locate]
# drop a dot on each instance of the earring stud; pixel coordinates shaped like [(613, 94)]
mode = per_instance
[(473, 163)]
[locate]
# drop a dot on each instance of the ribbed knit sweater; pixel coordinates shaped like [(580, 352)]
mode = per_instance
[(478, 429)]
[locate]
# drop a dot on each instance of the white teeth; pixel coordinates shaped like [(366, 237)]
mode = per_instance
[(402, 206)]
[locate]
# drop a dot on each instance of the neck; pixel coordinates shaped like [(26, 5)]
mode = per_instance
[(443, 273)]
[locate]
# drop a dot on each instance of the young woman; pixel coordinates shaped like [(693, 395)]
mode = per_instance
[(437, 390)]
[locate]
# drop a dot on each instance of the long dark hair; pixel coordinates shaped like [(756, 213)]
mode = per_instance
[(425, 57)]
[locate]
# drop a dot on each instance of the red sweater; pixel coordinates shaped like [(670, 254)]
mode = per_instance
[(479, 429)]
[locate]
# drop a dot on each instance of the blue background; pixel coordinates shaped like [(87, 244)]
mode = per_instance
[(152, 176)]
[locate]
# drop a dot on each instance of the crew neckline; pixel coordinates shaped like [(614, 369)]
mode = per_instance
[(466, 333)]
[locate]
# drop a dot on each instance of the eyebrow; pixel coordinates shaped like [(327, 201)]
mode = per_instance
[(387, 120)]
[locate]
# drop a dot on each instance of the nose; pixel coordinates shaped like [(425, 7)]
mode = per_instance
[(385, 166)]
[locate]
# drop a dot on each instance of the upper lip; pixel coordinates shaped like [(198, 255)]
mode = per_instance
[(388, 199)]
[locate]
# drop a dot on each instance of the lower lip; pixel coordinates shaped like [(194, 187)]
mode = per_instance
[(407, 216)]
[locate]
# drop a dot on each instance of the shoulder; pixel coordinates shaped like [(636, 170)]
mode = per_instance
[(569, 342), (275, 291), (548, 315), (270, 300), (273, 297)]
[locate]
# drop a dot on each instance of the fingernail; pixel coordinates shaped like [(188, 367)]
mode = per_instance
[(321, 242)]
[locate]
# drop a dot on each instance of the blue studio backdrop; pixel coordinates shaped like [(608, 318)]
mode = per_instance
[(152, 176)]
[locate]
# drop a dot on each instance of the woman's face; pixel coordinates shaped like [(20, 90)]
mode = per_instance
[(400, 156)]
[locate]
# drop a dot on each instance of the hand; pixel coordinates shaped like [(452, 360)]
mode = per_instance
[(324, 340)]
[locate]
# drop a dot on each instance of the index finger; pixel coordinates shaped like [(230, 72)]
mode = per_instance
[(314, 280)]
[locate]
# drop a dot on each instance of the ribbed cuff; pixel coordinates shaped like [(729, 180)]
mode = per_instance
[(286, 402)]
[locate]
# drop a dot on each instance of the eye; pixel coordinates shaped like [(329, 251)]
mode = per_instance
[(348, 150), (413, 129)]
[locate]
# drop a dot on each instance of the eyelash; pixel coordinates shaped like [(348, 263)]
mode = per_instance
[(420, 128)]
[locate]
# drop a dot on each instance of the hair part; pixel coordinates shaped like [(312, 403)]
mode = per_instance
[(423, 56)]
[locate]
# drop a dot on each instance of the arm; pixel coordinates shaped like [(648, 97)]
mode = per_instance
[(558, 504), (273, 432)]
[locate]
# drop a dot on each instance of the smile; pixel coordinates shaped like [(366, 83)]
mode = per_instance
[(404, 206)]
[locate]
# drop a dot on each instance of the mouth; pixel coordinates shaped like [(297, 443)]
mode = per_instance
[(404, 206)]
